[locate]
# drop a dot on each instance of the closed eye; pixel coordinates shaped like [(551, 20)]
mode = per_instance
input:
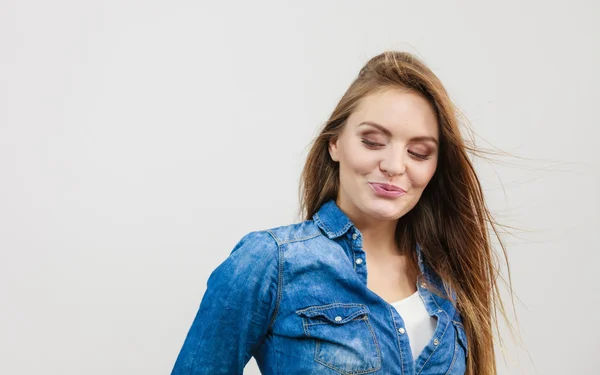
[(422, 157), (374, 145), (371, 144)]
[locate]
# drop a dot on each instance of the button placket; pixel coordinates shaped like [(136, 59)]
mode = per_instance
[(355, 245)]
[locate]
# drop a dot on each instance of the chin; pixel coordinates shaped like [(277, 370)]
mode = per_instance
[(386, 210)]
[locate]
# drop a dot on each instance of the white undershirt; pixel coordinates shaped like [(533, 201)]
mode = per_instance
[(418, 324)]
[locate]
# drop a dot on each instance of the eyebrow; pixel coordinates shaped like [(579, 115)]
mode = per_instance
[(389, 134)]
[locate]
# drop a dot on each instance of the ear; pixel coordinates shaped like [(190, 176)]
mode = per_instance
[(333, 149)]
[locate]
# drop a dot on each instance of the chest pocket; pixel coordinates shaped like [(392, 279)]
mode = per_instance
[(344, 338)]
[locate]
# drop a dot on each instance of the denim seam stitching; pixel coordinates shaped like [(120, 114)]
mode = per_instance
[(459, 325), (397, 339), (321, 224), (332, 305), (346, 319), (279, 282), (454, 357), (441, 336), (357, 372), (300, 239), (368, 323), (328, 230), (343, 321)]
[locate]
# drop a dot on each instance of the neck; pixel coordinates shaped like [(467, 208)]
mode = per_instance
[(379, 236)]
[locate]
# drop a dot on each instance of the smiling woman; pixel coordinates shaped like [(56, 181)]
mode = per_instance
[(395, 159), (391, 271)]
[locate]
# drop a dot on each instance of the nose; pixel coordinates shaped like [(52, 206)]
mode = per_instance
[(393, 163)]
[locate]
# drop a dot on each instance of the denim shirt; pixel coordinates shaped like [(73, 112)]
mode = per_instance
[(295, 297)]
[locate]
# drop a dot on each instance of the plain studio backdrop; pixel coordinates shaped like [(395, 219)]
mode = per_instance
[(139, 140)]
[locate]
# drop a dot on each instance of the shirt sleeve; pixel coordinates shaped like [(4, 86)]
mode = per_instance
[(236, 310)]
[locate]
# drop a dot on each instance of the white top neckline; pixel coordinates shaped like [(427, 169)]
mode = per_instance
[(418, 324), (405, 299)]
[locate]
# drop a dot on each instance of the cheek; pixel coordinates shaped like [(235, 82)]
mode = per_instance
[(360, 163), (421, 176)]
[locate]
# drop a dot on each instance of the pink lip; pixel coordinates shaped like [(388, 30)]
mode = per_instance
[(387, 190)]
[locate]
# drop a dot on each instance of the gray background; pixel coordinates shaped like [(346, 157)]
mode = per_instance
[(139, 140)]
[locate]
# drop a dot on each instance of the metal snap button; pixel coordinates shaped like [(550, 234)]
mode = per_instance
[(436, 341), (338, 318), (401, 330), (354, 236), (358, 261)]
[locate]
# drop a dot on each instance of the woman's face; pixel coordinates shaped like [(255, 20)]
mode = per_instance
[(391, 138)]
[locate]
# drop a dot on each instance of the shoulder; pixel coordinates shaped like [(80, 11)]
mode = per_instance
[(296, 232), (254, 248), (253, 260), (267, 245)]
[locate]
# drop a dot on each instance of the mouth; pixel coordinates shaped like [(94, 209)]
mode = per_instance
[(388, 187)]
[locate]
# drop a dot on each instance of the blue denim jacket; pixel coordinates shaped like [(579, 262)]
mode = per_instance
[(296, 298)]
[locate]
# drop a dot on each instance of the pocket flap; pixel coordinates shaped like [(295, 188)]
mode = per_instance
[(337, 313)]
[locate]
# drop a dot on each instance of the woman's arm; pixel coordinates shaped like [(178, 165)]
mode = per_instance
[(236, 310)]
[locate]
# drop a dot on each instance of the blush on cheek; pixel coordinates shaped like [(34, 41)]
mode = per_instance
[(421, 181)]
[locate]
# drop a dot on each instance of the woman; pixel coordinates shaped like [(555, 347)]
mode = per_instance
[(392, 270)]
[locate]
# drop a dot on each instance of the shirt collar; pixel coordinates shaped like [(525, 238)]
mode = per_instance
[(335, 223), (332, 220)]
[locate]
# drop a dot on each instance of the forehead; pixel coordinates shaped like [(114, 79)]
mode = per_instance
[(400, 111)]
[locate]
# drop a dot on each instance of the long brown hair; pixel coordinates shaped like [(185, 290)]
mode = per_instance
[(450, 221)]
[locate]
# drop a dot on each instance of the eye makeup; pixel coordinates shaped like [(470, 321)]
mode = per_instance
[(374, 145)]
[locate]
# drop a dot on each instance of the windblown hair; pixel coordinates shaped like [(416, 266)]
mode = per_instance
[(450, 221)]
